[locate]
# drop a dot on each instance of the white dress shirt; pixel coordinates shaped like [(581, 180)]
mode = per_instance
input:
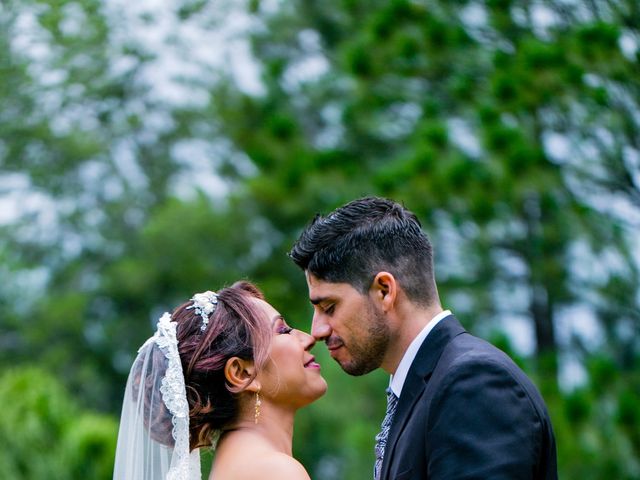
[(397, 379)]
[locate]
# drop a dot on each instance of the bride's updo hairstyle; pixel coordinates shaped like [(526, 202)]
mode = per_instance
[(236, 328)]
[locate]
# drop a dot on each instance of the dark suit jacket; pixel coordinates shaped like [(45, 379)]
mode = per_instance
[(466, 411)]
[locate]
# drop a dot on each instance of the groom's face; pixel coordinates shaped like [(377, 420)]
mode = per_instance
[(351, 325)]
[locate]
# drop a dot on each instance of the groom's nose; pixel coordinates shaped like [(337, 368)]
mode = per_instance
[(320, 328)]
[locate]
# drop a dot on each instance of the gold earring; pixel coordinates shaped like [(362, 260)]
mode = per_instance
[(258, 403)]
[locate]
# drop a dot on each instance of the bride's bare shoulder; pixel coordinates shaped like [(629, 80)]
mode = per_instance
[(279, 466), (268, 466)]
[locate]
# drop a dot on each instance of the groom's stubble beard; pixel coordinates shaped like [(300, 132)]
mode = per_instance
[(368, 352)]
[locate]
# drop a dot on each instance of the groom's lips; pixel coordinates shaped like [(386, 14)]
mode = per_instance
[(333, 345)]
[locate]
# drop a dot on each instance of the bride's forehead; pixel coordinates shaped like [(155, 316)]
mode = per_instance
[(265, 308)]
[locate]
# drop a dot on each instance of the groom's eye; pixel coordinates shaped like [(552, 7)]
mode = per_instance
[(329, 310)]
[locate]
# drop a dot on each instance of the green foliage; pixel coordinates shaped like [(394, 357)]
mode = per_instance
[(455, 108), (89, 447), (46, 435), (595, 428)]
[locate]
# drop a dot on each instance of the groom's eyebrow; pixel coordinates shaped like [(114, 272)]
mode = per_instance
[(317, 300)]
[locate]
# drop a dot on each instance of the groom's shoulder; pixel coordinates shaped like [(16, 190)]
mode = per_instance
[(464, 352), (469, 350), (471, 353)]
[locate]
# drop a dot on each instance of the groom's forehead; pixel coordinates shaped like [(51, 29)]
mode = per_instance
[(320, 290)]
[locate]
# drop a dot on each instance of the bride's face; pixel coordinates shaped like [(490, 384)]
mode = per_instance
[(291, 375)]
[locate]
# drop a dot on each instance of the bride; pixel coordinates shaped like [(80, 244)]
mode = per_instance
[(223, 370)]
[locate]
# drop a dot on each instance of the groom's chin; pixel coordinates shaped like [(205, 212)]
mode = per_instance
[(356, 369)]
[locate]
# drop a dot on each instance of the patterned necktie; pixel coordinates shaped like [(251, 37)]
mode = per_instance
[(381, 438)]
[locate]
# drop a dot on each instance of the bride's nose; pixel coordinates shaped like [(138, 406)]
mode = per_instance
[(307, 340)]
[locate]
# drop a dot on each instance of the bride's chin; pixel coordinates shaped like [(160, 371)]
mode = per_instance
[(315, 393), (321, 390)]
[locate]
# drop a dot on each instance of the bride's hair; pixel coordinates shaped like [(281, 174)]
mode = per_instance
[(236, 329)]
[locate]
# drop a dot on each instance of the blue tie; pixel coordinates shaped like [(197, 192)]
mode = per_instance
[(381, 438)]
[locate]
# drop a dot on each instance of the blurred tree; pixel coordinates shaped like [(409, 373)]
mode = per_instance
[(494, 121), (510, 127), (88, 149), (44, 433), (596, 425)]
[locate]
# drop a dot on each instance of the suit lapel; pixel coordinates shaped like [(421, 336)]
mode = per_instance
[(416, 381)]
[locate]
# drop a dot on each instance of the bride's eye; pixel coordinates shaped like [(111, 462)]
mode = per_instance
[(281, 326), (282, 329)]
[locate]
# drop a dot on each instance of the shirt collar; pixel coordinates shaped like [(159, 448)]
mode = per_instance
[(397, 379)]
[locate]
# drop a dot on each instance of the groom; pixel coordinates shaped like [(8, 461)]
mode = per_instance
[(457, 407)]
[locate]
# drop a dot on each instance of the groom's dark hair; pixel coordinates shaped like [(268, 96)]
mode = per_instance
[(366, 236)]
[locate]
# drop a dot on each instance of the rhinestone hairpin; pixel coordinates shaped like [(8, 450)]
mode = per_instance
[(205, 304)]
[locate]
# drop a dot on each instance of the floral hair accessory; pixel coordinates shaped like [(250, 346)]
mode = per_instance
[(205, 304)]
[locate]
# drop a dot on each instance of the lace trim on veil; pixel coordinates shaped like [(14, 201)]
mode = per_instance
[(174, 396)]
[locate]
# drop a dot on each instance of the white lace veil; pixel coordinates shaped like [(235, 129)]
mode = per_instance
[(153, 442)]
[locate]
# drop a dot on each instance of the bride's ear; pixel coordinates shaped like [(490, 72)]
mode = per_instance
[(239, 372)]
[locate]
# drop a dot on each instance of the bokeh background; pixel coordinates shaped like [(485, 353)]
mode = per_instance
[(153, 149)]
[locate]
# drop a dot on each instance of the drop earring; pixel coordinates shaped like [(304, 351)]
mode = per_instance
[(257, 411)]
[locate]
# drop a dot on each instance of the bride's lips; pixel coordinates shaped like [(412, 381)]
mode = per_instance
[(311, 363)]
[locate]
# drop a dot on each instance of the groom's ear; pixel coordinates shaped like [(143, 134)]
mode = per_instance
[(384, 290), (239, 372)]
